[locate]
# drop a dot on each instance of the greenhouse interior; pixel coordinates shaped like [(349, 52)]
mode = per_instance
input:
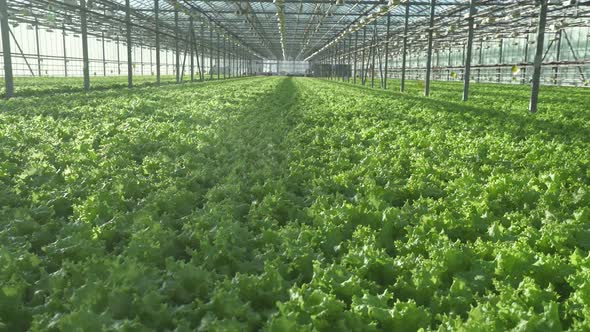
[(295, 165)]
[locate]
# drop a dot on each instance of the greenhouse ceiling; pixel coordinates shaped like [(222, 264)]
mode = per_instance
[(297, 30)]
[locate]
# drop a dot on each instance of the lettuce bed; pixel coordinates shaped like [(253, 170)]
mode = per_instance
[(293, 204)]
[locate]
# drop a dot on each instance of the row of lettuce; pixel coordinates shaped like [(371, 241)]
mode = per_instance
[(294, 204)]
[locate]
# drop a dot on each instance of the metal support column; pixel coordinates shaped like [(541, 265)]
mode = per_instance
[(196, 54), (8, 78), (335, 59), (202, 71), (363, 57), (331, 61), (141, 58), (349, 58), (339, 47), (63, 41), (437, 65), (538, 57), (192, 48), (232, 60), (224, 55), (218, 55), (84, 32), (374, 50), (356, 38), (343, 61), (557, 57), (104, 58), (449, 64), (334, 62), (386, 51), (118, 58), (526, 58), (210, 54), (338, 67), (480, 61), (405, 46), (176, 46), (129, 56), (157, 15), (501, 60), (38, 48), (429, 54), (463, 58), (470, 23)]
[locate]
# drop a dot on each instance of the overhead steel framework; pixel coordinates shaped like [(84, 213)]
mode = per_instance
[(507, 41), (425, 28)]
